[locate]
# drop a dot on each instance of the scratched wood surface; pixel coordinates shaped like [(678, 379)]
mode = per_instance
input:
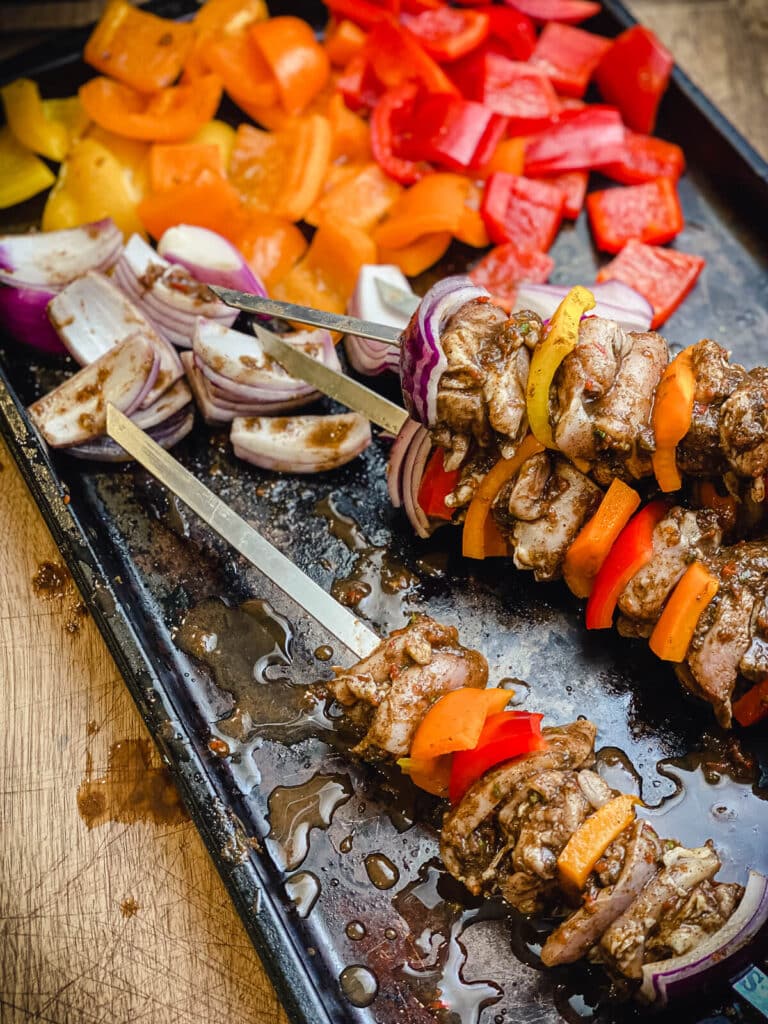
[(130, 922)]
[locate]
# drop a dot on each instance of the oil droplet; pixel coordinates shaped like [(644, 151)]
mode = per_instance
[(303, 889), (341, 526), (218, 747), (324, 652), (52, 579), (345, 846), (615, 767), (359, 985), (355, 930), (381, 871), (295, 810)]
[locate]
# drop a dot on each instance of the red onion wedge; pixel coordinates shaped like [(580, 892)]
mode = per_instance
[(300, 444), (168, 294), (624, 305), (721, 953), (23, 314), (51, 259), (422, 360), (76, 411), (368, 302), (177, 397), (168, 433), (405, 470), (209, 258)]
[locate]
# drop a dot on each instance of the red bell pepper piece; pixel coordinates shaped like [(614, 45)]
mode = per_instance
[(391, 118), (634, 75), (396, 56), (650, 213), (362, 12), (455, 133), (505, 736), (631, 551), (645, 158), (574, 188), (447, 33), (753, 706), (569, 56), (580, 140), (436, 484), (663, 276), (505, 267), (511, 29), (571, 12), (517, 90), (519, 210), (359, 85)]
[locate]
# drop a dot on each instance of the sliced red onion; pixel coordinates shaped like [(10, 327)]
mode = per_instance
[(76, 411), (545, 298), (168, 433), (405, 471), (368, 303), (209, 258), (229, 389), (167, 293), (23, 314), (721, 953), (616, 293), (422, 360), (300, 444), (51, 259), (177, 397), (396, 459)]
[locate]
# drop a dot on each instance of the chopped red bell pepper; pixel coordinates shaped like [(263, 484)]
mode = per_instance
[(650, 213), (511, 29), (663, 276), (505, 736), (631, 551), (753, 706), (436, 484), (515, 89), (396, 56), (569, 11), (391, 119), (574, 187), (634, 75), (519, 210), (505, 267), (447, 33), (456, 133), (569, 56), (579, 141), (362, 12), (358, 84), (645, 158)]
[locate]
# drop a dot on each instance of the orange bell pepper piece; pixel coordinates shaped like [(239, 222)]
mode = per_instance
[(677, 623), (137, 48), (752, 707), (591, 839), (479, 511), (361, 199), (351, 134), (415, 257), (495, 544), (245, 75), (509, 156), (271, 245), (282, 172), (228, 17), (219, 134), (169, 115), (209, 202), (171, 165), (433, 774), (471, 228), (455, 721), (343, 41), (298, 62), (595, 539), (671, 418), (436, 203), (276, 119)]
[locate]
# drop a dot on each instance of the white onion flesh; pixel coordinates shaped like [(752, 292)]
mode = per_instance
[(167, 405), (51, 259), (76, 411), (300, 444), (632, 312), (209, 258), (166, 434), (373, 357)]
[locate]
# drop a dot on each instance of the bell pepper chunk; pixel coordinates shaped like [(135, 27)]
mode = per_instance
[(630, 552), (671, 418), (574, 188), (523, 211), (510, 29), (506, 267), (589, 550), (436, 203), (436, 484), (391, 119), (244, 73), (508, 156), (505, 736), (397, 57), (343, 41), (673, 632), (358, 84), (228, 17), (298, 62), (560, 340), (648, 213), (22, 174), (29, 121), (570, 12), (430, 774), (582, 139), (447, 33), (592, 838), (360, 12), (169, 115), (569, 56), (520, 92), (663, 276), (361, 199), (418, 255), (174, 164), (271, 245), (137, 48), (455, 721), (645, 158), (753, 706), (634, 74), (207, 202), (454, 133), (479, 511)]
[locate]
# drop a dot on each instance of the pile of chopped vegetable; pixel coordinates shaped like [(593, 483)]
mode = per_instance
[(409, 125)]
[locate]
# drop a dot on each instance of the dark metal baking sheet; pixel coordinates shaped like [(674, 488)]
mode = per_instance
[(142, 563)]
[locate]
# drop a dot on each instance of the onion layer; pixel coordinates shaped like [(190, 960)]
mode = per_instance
[(405, 471), (300, 444), (368, 302), (622, 304), (23, 313), (209, 258), (168, 433), (51, 259)]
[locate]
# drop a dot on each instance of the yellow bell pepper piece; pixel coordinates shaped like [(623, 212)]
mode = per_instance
[(217, 133), (68, 111), (22, 174), (92, 184), (560, 339), (28, 120)]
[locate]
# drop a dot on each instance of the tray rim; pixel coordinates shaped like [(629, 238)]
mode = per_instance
[(202, 795)]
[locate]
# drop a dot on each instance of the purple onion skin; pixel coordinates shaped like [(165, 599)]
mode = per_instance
[(24, 317)]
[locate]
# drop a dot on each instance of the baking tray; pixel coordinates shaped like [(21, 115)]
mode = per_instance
[(262, 771)]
